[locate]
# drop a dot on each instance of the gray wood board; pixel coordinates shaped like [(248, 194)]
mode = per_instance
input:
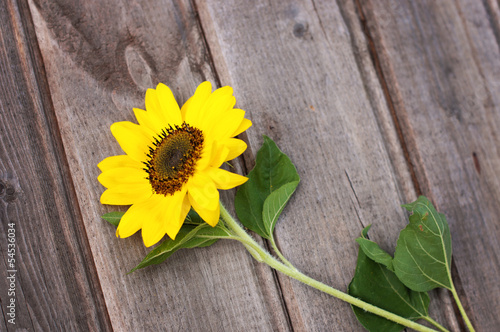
[(100, 59), (375, 102), (441, 61), (56, 285), (299, 74)]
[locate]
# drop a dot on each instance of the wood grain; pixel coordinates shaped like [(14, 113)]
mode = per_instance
[(299, 77), (100, 59), (374, 101), (56, 281), (441, 64)]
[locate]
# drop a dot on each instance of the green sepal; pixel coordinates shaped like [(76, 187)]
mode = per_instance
[(374, 283), (260, 200), (422, 259)]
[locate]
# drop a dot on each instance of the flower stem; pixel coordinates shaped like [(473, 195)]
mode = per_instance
[(436, 324), (267, 258), (278, 252), (461, 308)]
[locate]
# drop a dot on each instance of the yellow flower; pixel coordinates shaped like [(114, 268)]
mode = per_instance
[(172, 162)]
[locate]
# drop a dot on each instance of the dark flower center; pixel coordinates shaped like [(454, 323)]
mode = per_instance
[(173, 158)]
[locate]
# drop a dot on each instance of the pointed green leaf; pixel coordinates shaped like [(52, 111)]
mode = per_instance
[(217, 232), (422, 260), (201, 243), (274, 204), (373, 250), (375, 284), (273, 169), (113, 217), (196, 242)]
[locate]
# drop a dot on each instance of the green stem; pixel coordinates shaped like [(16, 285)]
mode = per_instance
[(436, 324), (461, 308), (278, 252), (297, 275)]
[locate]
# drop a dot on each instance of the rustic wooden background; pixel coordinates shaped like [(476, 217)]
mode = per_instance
[(375, 102)]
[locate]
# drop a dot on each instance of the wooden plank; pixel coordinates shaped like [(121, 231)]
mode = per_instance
[(441, 63), (298, 75), (100, 59), (54, 283)]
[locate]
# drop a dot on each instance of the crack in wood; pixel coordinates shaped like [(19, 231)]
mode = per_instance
[(357, 199), (205, 44), (493, 19), (390, 104)]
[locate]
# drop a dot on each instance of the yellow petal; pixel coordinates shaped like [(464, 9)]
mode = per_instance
[(153, 231), (138, 214), (149, 120), (224, 179), (219, 155), (235, 146), (118, 161), (169, 105), (186, 206), (203, 195), (211, 217), (216, 108), (154, 109), (128, 226), (219, 102), (174, 213), (123, 175), (227, 123), (194, 104), (133, 139), (126, 194), (206, 154), (245, 124), (153, 219)]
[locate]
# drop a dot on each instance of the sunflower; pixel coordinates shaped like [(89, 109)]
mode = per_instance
[(172, 161)]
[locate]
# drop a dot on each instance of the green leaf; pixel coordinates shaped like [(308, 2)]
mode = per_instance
[(205, 243), (422, 259), (377, 285), (373, 250), (217, 232), (274, 205), (189, 236), (113, 217), (273, 170)]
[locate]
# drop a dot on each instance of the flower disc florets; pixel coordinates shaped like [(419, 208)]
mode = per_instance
[(173, 158)]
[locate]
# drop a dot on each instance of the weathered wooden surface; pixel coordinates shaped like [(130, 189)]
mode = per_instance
[(56, 283), (446, 95), (97, 66), (375, 102)]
